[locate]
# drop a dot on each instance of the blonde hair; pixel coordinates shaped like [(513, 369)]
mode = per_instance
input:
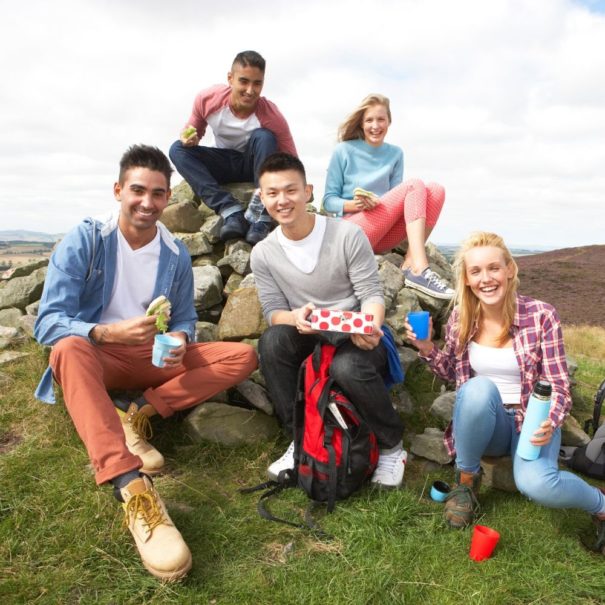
[(351, 128), (469, 308)]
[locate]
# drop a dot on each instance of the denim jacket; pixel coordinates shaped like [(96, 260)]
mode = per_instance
[(80, 280)]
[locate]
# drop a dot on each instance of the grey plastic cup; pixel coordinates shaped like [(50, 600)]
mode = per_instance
[(162, 345)]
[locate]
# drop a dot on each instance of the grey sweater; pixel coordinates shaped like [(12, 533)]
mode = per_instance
[(345, 277)]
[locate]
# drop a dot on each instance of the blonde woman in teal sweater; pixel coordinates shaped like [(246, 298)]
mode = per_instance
[(364, 185)]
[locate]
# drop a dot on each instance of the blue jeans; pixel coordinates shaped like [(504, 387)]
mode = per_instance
[(206, 168), (483, 426), (360, 375)]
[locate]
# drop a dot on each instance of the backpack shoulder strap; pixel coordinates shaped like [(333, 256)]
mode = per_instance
[(598, 404)]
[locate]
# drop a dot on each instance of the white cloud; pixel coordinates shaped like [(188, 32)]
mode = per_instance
[(503, 102)]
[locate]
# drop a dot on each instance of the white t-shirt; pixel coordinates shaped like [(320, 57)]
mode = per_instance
[(500, 366), (304, 253), (136, 274), (231, 132)]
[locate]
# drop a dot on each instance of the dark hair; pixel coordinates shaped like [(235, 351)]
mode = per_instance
[(249, 58), (280, 162), (144, 156)]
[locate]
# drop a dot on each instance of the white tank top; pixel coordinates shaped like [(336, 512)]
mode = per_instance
[(500, 366)]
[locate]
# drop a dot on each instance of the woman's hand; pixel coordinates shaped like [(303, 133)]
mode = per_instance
[(423, 346), (543, 434), (360, 203)]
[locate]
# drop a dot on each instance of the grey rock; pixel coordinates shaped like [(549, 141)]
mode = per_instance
[(206, 331), (430, 445), (405, 302), (572, 366), (242, 191), (233, 283), (248, 281), (182, 193), (436, 307), (182, 217), (256, 395), (393, 258), (33, 308), (402, 401), (238, 260), (26, 323), (205, 259), (439, 263), (196, 243), (392, 281), (212, 228), (235, 245), (8, 356), (208, 287), (229, 425), (10, 336), (257, 376), (408, 357), (443, 406), (211, 315), (498, 473), (572, 433), (242, 316), (23, 270), (22, 291), (10, 317)]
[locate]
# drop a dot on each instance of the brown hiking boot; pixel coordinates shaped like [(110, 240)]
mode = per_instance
[(137, 430), (461, 503), (160, 544)]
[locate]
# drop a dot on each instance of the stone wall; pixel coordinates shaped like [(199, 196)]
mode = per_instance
[(228, 309)]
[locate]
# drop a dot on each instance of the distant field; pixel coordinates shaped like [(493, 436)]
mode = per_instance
[(13, 254)]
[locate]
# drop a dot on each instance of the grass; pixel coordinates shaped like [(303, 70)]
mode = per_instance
[(62, 539)]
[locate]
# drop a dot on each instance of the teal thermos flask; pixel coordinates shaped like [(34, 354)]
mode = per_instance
[(537, 411)]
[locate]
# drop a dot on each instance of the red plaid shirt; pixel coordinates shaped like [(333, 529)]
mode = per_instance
[(538, 344)]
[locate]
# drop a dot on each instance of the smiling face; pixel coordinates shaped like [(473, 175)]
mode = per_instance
[(246, 85), (142, 195), (487, 274), (285, 195), (375, 125)]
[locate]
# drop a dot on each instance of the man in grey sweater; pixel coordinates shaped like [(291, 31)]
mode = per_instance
[(311, 261)]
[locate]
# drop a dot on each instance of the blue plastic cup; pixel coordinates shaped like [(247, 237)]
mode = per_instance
[(162, 345), (439, 491), (419, 320)]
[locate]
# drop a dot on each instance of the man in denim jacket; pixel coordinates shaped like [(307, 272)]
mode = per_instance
[(101, 278)]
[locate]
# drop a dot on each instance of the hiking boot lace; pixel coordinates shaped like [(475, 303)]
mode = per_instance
[(145, 505), (141, 425)]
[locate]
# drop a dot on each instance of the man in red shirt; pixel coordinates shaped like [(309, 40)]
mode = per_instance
[(247, 128)]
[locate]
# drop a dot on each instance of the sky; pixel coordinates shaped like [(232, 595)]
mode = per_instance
[(502, 102)]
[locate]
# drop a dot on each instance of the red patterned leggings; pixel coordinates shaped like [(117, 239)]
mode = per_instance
[(385, 223)]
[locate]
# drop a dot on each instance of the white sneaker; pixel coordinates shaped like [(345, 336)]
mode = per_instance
[(286, 462), (390, 469)]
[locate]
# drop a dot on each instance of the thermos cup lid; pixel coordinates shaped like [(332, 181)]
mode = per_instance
[(543, 388)]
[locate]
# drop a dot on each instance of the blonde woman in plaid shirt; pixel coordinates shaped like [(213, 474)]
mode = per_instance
[(498, 344)]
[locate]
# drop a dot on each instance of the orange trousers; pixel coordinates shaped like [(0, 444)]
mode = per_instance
[(86, 371)]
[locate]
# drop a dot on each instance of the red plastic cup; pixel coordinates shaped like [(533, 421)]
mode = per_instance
[(483, 542)]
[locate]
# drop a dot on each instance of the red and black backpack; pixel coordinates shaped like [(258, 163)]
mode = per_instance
[(335, 451)]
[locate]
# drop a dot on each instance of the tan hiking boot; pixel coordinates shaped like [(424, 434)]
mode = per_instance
[(160, 544), (461, 504), (137, 430)]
